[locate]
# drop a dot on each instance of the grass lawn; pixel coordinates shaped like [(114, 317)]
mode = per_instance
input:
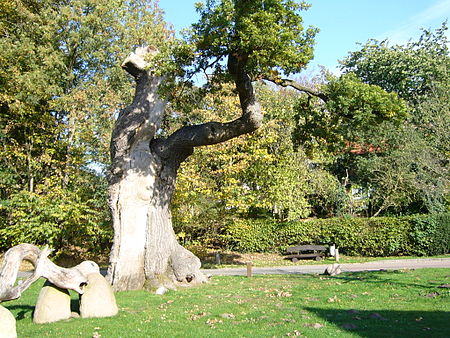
[(367, 304)]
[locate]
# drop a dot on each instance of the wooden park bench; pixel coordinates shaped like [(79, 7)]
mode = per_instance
[(306, 251)]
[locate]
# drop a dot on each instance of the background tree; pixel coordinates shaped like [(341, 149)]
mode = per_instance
[(410, 70), (256, 175), (61, 86), (407, 169)]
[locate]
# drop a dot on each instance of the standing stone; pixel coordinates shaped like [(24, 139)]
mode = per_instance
[(87, 267), (53, 304), (7, 324), (98, 299)]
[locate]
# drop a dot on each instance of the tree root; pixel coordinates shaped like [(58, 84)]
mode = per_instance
[(186, 267)]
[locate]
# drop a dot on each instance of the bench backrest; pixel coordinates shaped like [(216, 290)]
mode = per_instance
[(299, 248)]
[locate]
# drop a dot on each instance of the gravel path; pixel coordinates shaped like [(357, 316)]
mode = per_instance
[(349, 267)]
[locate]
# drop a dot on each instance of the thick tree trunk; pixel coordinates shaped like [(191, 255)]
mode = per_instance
[(145, 251)]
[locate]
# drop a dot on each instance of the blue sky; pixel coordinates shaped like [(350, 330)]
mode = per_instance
[(344, 23)]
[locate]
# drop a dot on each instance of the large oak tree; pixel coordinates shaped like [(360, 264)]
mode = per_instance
[(238, 41)]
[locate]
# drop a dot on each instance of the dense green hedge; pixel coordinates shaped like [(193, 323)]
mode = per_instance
[(382, 236)]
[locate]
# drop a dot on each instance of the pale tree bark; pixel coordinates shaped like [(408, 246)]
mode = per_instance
[(72, 279), (145, 252)]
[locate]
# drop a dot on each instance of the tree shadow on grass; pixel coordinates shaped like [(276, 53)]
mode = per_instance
[(75, 304), (20, 311), (387, 323), (383, 277)]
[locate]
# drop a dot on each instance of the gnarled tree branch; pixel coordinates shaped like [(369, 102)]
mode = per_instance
[(139, 121), (297, 86), (215, 132)]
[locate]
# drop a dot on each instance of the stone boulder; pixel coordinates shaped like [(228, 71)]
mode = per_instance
[(7, 324), (333, 270), (87, 267), (53, 304), (98, 298)]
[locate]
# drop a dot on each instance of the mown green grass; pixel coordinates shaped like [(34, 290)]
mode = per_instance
[(364, 304)]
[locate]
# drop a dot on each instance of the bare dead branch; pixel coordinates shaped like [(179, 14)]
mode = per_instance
[(73, 278), (297, 86)]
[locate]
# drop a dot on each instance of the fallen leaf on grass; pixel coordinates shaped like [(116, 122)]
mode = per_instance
[(288, 320), (284, 294), (432, 295), (444, 286), (295, 333), (352, 311), (227, 315), (376, 316), (349, 326), (279, 293), (213, 321), (313, 325), (333, 299), (198, 315)]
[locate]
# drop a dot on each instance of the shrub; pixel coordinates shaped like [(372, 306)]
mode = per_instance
[(380, 236), (429, 234), (252, 235), (59, 219)]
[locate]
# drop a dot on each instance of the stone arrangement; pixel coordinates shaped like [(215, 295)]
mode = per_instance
[(54, 302)]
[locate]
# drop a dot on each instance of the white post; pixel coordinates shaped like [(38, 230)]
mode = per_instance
[(333, 250)]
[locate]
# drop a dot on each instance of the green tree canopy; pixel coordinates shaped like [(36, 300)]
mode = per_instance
[(61, 86), (405, 169), (347, 109), (268, 34), (409, 70)]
